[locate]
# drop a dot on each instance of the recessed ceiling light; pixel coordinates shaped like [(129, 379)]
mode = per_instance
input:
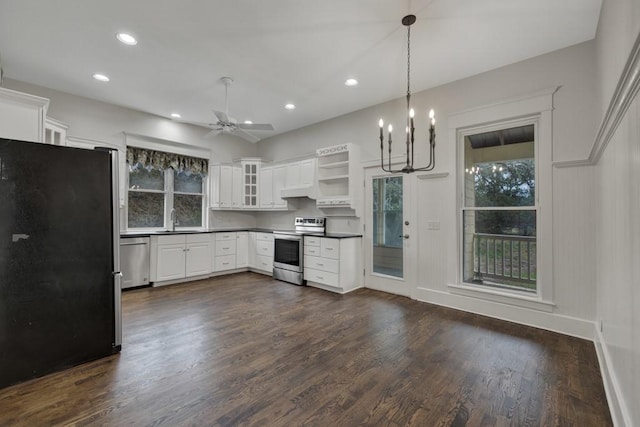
[(248, 122), (351, 82), (176, 115), (101, 77), (127, 39), (290, 107)]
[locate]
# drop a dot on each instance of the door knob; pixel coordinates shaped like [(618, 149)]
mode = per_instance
[(406, 236)]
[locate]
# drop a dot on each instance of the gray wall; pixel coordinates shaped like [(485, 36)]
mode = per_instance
[(574, 124), (617, 219), (91, 119)]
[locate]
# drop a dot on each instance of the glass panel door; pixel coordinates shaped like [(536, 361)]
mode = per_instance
[(390, 259), (387, 226)]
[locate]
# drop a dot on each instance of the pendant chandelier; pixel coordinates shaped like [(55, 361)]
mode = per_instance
[(407, 21)]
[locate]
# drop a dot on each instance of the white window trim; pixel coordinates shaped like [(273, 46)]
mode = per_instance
[(534, 108)]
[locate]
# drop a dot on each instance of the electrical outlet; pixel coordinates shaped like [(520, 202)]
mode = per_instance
[(601, 325)]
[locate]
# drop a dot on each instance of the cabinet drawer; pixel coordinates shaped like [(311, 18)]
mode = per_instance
[(171, 240), (226, 236), (312, 250), (198, 238), (264, 263), (324, 277), (330, 248), (323, 264), (264, 247), (226, 262), (225, 247), (268, 237), (312, 241)]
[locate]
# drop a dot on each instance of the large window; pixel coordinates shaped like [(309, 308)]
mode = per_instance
[(499, 213), (162, 183)]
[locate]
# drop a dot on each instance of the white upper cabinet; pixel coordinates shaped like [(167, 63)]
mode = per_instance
[(266, 187), (55, 132), (236, 187), (293, 175), (22, 116), (272, 180), (250, 186), (307, 172), (300, 179), (278, 183)]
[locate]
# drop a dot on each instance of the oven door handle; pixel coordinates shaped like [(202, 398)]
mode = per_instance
[(287, 237)]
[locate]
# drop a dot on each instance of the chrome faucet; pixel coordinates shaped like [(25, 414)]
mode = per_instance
[(174, 220)]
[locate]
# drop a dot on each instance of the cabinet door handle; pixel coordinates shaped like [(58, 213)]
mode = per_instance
[(329, 249), (320, 265), (320, 277)]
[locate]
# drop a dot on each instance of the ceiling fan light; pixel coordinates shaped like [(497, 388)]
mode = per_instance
[(248, 122), (176, 115), (290, 107), (127, 39), (351, 82)]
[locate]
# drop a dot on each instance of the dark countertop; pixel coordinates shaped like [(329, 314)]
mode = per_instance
[(341, 235), (125, 234)]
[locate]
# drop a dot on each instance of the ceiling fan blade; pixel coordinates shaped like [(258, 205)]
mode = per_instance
[(245, 135), (201, 124), (213, 133), (221, 116), (255, 126)]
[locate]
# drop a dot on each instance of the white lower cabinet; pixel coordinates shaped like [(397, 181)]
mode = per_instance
[(225, 252), (262, 257), (178, 256), (198, 255), (242, 249), (333, 264), (171, 262)]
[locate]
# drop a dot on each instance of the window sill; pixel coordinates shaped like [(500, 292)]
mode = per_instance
[(503, 297)]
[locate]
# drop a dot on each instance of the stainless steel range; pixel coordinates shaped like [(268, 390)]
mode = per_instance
[(288, 249)]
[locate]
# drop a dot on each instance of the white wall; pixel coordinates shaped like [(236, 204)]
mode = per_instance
[(91, 119), (574, 125), (617, 218), (100, 121)]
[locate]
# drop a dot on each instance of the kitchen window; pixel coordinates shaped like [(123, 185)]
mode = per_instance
[(161, 182)]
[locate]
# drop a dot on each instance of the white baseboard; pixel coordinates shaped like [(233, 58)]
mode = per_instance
[(619, 412), (540, 319)]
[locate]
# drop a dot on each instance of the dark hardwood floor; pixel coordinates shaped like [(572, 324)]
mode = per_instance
[(248, 350)]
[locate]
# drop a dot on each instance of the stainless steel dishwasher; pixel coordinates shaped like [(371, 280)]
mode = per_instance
[(134, 261)]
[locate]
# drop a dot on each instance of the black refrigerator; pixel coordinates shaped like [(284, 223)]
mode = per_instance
[(59, 261)]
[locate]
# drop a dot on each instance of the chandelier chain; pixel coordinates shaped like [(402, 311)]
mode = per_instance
[(408, 60)]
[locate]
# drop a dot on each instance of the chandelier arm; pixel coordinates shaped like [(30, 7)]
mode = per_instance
[(432, 158), (389, 151)]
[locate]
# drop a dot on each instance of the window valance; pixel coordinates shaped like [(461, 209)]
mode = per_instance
[(161, 160)]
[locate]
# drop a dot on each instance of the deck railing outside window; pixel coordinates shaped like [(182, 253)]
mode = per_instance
[(505, 260)]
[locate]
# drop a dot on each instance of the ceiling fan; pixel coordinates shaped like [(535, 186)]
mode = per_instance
[(229, 125)]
